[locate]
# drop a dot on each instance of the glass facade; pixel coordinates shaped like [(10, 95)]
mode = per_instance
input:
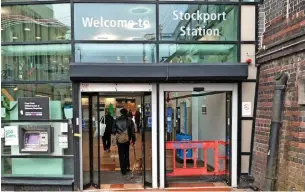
[(39, 41)]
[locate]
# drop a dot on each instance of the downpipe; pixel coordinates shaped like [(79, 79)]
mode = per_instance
[(276, 124)]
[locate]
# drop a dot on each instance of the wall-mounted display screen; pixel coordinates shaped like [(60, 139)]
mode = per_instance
[(32, 138)]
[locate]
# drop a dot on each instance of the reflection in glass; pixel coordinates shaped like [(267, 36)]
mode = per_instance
[(115, 53), (24, 23), (98, 21), (198, 22), (35, 62), (197, 53)]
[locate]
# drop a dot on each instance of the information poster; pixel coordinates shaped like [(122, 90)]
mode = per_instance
[(11, 135), (33, 108), (246, 109), (63, 141)]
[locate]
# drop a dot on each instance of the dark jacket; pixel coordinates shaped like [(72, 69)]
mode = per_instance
[(109, 123), (121, 124)]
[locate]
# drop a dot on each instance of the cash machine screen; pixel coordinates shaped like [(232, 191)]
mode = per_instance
[(35, 139), (32, 138)]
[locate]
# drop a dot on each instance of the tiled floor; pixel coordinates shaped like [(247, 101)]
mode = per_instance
[(176, 187)]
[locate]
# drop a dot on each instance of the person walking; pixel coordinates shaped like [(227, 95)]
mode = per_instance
[(109, 120), (138, 119), (124, 130)]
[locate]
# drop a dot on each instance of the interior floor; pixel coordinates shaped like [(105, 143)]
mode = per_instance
[(110, 174)]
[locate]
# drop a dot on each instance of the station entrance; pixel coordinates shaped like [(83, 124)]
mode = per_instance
[(101, 156), (200, 131)]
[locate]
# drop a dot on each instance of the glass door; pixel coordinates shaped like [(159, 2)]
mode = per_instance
[(90, 141), (146, 139), (228, 136)]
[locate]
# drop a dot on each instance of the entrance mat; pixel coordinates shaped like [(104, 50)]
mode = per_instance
[(115, 177)]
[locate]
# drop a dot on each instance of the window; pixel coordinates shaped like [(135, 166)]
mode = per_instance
[(35, 62), (115, 53), (114, 21), (198, 22), (33, 23), (60, 162), (197, 53)]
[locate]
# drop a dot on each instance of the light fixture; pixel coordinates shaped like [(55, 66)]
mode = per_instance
[(16, 88), (27, 29), (54, 61), (15, 37), (139, 10), (118, 58), (1, 29), (38, 37)]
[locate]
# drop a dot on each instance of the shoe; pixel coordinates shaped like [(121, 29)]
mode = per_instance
[(108, 150), (128, 170), (123, 173)]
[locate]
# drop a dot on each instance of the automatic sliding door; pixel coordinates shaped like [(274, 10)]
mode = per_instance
[(96, 141), (85, 141), (147, 139), (90, 141)]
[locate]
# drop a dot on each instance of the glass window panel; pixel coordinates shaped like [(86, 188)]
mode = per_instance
[(37, 167), (97, 21), (205, 0), (60, 94), (197, 53), (32, 23), (115, 53), (35, 62), (198, 22)]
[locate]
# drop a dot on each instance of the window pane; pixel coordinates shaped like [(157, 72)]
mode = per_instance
[(197, 53), (33, 167), (60, 95), (198, 22), (35, 62), (115, 53), (114, 21), (30, 23), (205, 0)]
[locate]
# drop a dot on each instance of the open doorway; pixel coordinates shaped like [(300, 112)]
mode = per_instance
[(199, 125), (100, 155), (197, 138)]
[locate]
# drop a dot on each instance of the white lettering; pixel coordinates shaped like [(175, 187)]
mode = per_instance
[(198, 16), (87, 21), (91, 22), (175, 15)]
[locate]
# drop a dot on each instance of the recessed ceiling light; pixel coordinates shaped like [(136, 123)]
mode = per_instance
[(54, 61), (16, 89), (38, 37), (139, 10), (27, 29), (1, 29), (15, 37)]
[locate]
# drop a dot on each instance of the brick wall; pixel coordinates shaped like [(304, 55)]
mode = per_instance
[(291, 166), (277, 25)]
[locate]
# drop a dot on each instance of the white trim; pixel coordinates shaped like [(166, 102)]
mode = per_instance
[(112, 87), (208, 87)]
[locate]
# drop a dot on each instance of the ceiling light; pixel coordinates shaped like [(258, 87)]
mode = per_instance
[(27, 29), (16, 89), (38, 37), (1, 29), (139, 10), (54, 61), (15, 37)]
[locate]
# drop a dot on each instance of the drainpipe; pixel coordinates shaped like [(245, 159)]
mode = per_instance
[(277, 106)]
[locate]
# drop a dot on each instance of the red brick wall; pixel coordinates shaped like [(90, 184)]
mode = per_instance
[(291, 165)]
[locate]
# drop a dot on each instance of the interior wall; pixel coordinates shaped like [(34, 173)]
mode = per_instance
[(211, 126)]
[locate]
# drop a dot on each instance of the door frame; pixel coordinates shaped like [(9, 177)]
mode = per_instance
[(122, 87), (209, 87)]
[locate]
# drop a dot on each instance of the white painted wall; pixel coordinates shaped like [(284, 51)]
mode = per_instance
[(211, 126)]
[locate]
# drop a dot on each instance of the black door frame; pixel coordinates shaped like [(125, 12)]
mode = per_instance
[(91, 144), (144, 129)]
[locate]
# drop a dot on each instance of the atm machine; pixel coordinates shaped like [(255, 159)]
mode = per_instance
[(36, 139)]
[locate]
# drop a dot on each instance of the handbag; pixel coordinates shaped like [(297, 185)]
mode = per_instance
[(102, 127)]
